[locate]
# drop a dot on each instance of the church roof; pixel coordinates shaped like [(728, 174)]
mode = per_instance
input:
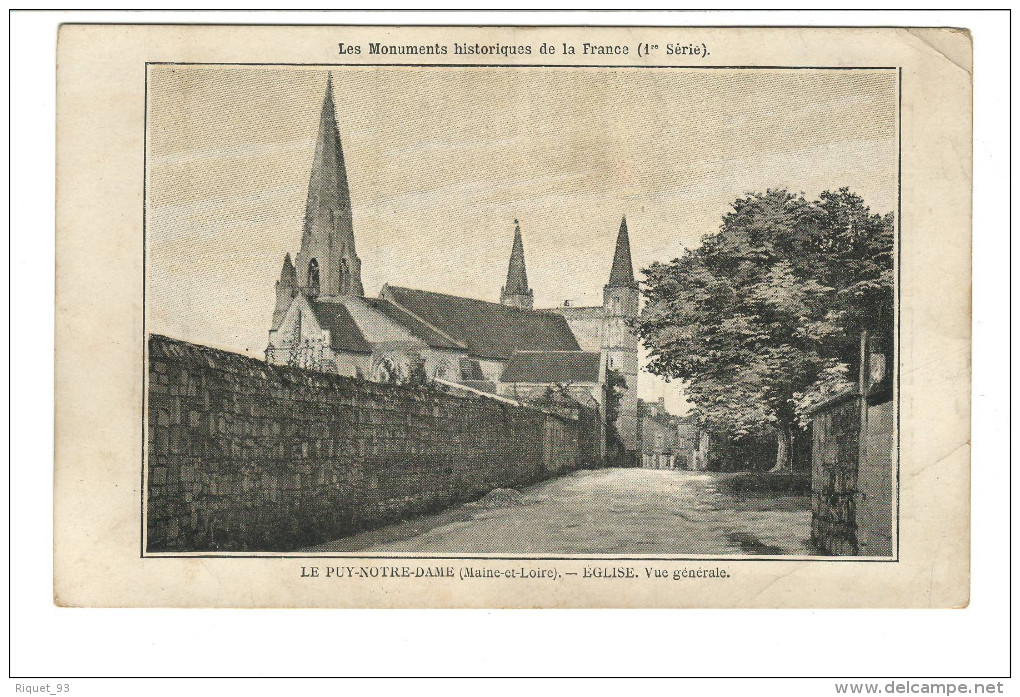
[(344, 334), (547, 367), (412, 324), (487, 330), (622, 273), (517, 273)]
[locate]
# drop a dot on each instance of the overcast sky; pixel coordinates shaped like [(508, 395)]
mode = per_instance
[(441, 160)]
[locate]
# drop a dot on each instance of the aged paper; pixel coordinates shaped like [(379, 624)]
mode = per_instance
[(512, 317)]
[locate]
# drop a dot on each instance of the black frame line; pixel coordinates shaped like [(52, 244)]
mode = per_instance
[(522, 558), (899, 286)]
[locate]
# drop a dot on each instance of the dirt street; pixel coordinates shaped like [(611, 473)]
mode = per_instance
[(612, 511)]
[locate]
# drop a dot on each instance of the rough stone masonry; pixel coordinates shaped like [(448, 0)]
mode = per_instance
[(247, 456)]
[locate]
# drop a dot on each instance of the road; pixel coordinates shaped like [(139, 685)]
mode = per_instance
[(612, 511)]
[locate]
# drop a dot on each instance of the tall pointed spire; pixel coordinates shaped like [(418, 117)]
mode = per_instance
[(622, 273), (516, 292), (328, 195), (328, 237)]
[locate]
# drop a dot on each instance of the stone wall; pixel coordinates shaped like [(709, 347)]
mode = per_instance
[(875, 482), (852, 495), (248, 456), (836, 431)]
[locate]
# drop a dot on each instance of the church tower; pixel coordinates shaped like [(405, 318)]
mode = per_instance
[(620, 344), (516, 292), (327, 265)]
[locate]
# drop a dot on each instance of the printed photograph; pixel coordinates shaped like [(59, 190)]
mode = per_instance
[(537, 312)]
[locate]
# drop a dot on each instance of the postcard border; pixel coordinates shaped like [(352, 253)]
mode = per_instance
[(523, 557)]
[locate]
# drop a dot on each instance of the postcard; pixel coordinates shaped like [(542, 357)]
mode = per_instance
[(543, 317)]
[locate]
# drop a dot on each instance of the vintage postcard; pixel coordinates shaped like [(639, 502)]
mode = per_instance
[(512, 317)]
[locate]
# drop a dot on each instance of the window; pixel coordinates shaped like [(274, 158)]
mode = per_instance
[(345, 275), (616, 306), (313, 277)]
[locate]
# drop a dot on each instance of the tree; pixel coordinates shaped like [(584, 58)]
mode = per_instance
[(760, 311), (857, 248), (616, 387)]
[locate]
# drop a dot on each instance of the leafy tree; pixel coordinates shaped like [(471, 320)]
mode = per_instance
[(774, 301), (857, 249), (616, 387)]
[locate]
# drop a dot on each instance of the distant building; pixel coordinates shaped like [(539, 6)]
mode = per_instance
[(658, 436), (668, 441), (323, 321)]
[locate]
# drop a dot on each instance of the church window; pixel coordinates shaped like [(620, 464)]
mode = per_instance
[(344, 276), (313, 277), (616, 306)]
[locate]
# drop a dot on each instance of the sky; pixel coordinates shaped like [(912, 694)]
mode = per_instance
[(440, 162)]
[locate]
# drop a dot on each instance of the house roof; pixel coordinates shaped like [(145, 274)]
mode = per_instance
[(344, 334), (487, 330), (550, 367)]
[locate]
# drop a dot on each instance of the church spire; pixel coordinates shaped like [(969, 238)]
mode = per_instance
[(517, 274), (286, 289), (622, 273), (328, 195), (288, 276), (516, 292), (327, 264)]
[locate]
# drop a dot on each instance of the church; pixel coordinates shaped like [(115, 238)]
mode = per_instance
[(323, 321)]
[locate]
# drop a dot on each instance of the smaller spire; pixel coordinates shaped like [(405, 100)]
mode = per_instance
[(288, 275), (516, 291), (622, 273), (517, 273)]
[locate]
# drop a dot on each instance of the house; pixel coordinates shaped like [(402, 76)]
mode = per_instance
[(671, 442), (658, 436)]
